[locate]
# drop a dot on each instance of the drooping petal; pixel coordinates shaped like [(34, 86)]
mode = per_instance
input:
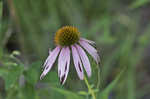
[(47, 58), (86, 40), (77, 62), (91, 50), (67, 64), (50, 61), (85, 60), (63, 64), (61, 59)]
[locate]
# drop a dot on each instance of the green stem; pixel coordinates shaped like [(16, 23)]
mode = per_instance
[(89, 88)]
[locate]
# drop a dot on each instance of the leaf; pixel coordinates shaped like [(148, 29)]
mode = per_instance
[(144, 39), (33, 72), (12, 76), (46, 93), (1, 9), (3, 72), (51, 78), (29, 92), (68, 94), (105, 94), (139, 3), (83, 93)]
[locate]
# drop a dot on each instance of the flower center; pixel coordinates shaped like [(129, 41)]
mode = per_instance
[(67, 36)]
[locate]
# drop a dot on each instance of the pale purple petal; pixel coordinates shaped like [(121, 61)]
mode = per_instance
[(47, 58), (51, 59), (50, 51), (61, 59), (91, 50), (67, 64), (77, 63), (63, 64), (85, 60), (86, 40)]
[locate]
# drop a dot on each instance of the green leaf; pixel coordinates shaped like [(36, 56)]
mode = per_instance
[(67, 94), (144, 39), (12, 76), (104, 94), (51, 78), (33, 72), (3, 72), (83, 93), (1, 9), (29, 92), (139, 3)]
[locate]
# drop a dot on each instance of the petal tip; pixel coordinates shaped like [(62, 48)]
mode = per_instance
[(82, 78), (62, 80), (90, 74), (42, 76)]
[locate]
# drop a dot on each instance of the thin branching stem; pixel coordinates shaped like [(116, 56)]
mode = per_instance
[(91, 91)]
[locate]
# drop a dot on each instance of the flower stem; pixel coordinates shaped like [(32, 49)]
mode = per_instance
[(89, 88)]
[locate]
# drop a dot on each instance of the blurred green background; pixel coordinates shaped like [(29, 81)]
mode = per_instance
[(120, 28)]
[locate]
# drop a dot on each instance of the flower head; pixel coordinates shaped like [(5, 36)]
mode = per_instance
[(68, 41)]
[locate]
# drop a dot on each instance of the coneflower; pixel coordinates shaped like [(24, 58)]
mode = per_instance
[(67, 40)]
